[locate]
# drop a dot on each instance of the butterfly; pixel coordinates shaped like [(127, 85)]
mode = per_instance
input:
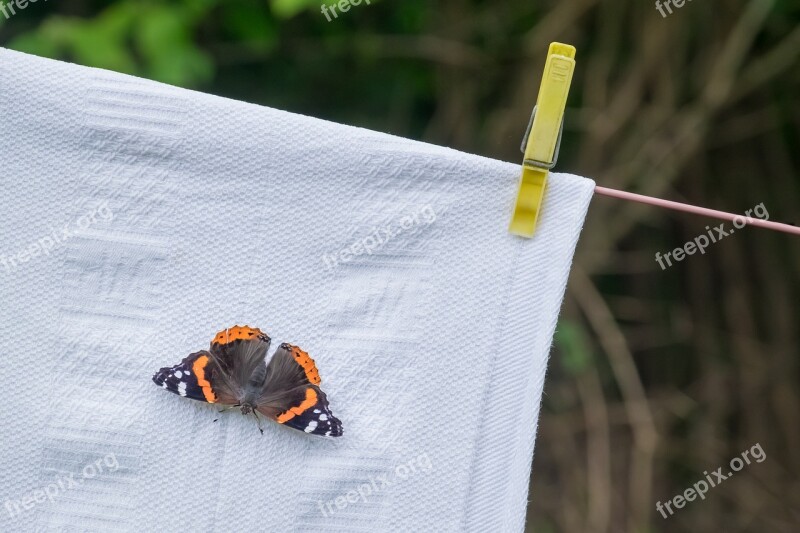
[(233, 372)]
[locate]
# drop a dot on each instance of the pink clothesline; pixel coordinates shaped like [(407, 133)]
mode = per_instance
[(702, 211)]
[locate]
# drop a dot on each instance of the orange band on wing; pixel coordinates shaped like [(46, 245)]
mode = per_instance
[(308, 403), (236, 333), (199, 368), (309, 367)]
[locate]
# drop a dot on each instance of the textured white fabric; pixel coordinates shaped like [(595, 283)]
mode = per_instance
[(138, 219)]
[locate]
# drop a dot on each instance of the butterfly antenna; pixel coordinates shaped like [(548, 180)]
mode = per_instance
[(255, 414)]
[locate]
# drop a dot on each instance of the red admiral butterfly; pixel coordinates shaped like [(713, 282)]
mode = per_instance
[(233, 372)]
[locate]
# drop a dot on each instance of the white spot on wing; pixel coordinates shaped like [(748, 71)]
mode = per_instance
[(182, 388), (178, 374), (323, 417), (311, 426)]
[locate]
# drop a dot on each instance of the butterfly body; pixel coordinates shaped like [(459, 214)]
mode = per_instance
[(234, 372)]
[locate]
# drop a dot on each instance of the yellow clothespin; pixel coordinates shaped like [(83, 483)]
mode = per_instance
[(543, 138)]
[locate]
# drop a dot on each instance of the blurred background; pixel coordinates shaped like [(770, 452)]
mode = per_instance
[(657, 375)]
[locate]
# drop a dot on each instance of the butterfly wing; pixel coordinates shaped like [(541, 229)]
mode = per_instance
[(291, 395), (225, 373), (193, 377), (239, 353)]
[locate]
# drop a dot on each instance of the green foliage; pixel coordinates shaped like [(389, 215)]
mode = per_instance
[(290, 8), (575, 354), (165, 42), (151, 39), (251, 24), (162, 40)]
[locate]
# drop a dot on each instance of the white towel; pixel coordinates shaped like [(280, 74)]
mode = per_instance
[(138, 219)]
